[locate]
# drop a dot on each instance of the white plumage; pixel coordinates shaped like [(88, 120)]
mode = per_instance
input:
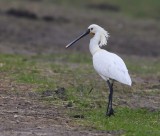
[(108, 65)]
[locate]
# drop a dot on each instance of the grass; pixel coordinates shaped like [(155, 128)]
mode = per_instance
[(75, 73), (127, 121), (136, 8), (148, 67)]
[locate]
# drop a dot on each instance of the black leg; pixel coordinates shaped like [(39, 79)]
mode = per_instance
[(108, 104), (109, 107)]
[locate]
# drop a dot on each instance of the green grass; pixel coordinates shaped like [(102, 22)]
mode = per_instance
[(132, 122), (134, 8), (139, 8), (75, 73), (145, 66)]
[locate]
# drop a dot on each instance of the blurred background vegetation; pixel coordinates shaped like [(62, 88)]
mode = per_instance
[(136, 8), (46, 26)]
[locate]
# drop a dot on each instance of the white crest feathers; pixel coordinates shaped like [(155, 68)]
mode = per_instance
[(104, 35)]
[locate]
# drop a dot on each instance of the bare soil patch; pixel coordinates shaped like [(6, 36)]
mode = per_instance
[(22, 114)]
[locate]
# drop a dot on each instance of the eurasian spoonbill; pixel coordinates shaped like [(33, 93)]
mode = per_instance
[(108, 65)]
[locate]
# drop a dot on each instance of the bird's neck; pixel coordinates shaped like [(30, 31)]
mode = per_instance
[(93, 46)]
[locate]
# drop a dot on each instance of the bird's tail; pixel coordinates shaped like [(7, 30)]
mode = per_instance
[(128, 80)]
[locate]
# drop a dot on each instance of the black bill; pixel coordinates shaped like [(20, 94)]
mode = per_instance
[(81, 36)]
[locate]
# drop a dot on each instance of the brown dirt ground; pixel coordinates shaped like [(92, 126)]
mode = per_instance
[(21, 114)]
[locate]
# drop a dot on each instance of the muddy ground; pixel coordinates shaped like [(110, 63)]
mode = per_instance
[(22, 114), (29, 28)]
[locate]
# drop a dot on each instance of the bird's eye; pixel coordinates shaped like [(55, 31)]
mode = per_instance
[(91, 28)]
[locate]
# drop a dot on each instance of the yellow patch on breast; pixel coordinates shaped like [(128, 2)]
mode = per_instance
[(92, 33)]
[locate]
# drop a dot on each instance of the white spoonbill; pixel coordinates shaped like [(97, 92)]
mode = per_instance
[(108, 65)]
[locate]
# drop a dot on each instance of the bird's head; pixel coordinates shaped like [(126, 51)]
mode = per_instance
[(103, 34), (94, 29)]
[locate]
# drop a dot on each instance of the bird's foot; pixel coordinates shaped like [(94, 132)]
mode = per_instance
[(110, 112)]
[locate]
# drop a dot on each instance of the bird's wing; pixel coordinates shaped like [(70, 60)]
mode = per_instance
[(109, 65)]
